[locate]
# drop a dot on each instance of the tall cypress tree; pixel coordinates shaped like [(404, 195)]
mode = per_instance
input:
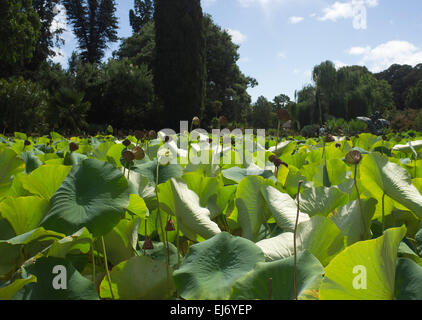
[(47, 10), (94, 24), (179, 69), (143, 13)]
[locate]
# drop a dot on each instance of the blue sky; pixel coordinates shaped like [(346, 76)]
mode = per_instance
[(282, 40)]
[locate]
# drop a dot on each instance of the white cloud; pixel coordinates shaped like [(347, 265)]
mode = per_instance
[(237, 36), (294, 20), (353, 9), (357, 51), (386, 54), (339, 64), (281, 54)]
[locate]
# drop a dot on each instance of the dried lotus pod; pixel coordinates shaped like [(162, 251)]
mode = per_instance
[(139, 135), (139, 153), (127, 143), (152, 135), (170, 225), (128, 155), (272, 158), (73, 147), (353, 157), (148, 244), (196, 121), (329, 138)]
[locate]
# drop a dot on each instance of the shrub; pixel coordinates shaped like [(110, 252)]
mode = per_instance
[(22, 105), (310, 131), (417, 123), (403, 120)]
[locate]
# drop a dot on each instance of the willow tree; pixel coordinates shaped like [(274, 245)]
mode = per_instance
[(179, 68)]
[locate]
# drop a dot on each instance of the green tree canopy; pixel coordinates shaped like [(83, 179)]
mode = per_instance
[(19, 31), (94, 24)]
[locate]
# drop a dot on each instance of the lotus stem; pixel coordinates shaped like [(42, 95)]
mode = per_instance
[(278, 135), (166, 247), (271, 288), (106, 267), (383, 214), (93, 262), (178, 245), (294, 239), (365, 234)]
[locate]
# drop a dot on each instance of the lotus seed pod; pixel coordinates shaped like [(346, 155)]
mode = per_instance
[(139, 153), (127, 143), (170, 225), (329, 138), (73, 147), (283, 115), (272, 158), (152, 135), (139, 134), (196, 121), (278, 163), (148, 244), (353, 157), (128, 155)]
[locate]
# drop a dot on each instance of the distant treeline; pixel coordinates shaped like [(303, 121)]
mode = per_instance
[(176, 65)]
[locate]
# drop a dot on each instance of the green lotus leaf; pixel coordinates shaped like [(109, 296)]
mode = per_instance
[(366, 141), (114, 154), (159, 253), (255, 285), (32, 162), (11, 164), (25, 246), (193, 218), (137, 206), (349, 219), (78, 243), (139, 278), (210, 268), (408, 282), (320, 236), (45, 180), (149, 170), (321, 200), (94, 195), (365, 270), (121, 242), (237, 174), (249, 203), (25, 213), (8, 291), (282, 207), (379, 176), (77, 286)]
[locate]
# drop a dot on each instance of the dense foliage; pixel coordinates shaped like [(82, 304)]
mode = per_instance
[(125, 224), (179, 65)]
